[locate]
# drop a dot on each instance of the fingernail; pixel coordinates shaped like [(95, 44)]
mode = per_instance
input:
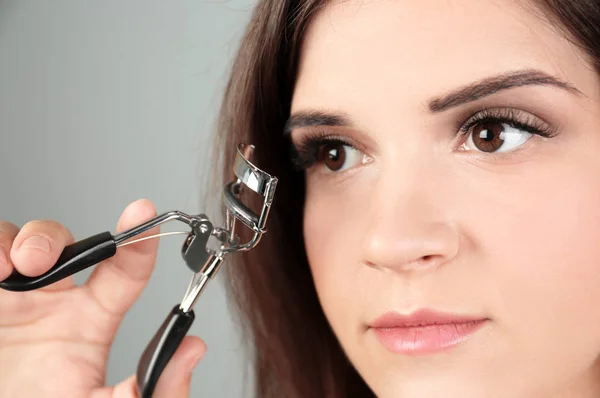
[(194, 362), (37, 243)]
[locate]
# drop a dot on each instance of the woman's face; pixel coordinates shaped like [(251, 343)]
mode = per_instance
[(453, 165)]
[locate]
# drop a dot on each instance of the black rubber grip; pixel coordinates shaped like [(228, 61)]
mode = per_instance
[(161, 348), (74, 258)]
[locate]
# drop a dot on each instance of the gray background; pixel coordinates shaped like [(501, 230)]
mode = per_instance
[(106, 102)]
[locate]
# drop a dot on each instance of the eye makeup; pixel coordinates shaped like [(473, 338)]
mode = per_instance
[(513, 117), (306, 150)]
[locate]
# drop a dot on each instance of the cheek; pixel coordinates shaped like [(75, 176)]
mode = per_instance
[(332, 233), (549, 245), (530, 258), (538, 246)]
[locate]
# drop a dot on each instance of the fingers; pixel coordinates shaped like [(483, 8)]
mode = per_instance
[(117, 282), (33, 249), (8, 232), (175, 380)]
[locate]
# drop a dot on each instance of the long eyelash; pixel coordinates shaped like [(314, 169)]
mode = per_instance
[(513, 117), (304, 153)]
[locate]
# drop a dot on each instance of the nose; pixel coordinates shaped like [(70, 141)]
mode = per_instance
[(409, 228)]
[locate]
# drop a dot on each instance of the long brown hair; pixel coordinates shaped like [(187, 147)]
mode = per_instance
[(295, 352)]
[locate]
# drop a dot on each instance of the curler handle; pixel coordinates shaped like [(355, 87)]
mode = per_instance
[(74, 258), (161, 348)]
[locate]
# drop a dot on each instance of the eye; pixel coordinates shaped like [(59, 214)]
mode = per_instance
[(338, 157), (496, 137)]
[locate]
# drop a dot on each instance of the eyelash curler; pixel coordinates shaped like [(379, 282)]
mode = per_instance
[(203, 260)]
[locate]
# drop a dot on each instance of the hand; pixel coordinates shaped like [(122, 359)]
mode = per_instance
[(55, 342)]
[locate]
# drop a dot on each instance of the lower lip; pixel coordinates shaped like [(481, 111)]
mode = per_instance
[(427, 339)]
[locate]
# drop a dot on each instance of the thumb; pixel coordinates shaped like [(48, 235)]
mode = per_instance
[(117, 282), (174, 382)]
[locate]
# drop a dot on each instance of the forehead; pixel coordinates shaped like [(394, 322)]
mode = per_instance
[(411, 50)]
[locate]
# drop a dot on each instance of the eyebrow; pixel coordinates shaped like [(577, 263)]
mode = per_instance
[(463, 95), (315, 118), (492, 85)]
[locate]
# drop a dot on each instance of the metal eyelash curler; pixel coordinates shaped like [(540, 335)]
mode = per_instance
[(203, 260)]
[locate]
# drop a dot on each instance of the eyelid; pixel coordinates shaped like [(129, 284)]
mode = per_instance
[(324, 133), (514, 116), (305, 146), (305, 140)]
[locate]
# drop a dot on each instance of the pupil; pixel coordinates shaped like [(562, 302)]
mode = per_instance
[(486, 137), (335, 156)]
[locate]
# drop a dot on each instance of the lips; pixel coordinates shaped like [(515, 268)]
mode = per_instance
[(425, 331)]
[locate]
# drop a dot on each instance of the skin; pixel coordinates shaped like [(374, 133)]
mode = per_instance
[(55, 342), (429, 221)]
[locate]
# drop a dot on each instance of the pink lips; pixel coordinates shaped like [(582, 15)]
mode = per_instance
[(424, 331)]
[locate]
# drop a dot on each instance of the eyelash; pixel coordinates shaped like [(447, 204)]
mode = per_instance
[(513, 117), (305, 152)]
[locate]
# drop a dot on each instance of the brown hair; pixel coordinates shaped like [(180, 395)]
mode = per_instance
[(296, 354)]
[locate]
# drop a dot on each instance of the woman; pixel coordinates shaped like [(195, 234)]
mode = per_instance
[(435, 230)]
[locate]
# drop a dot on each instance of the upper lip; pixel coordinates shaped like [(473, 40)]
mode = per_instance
[(423, 317)]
